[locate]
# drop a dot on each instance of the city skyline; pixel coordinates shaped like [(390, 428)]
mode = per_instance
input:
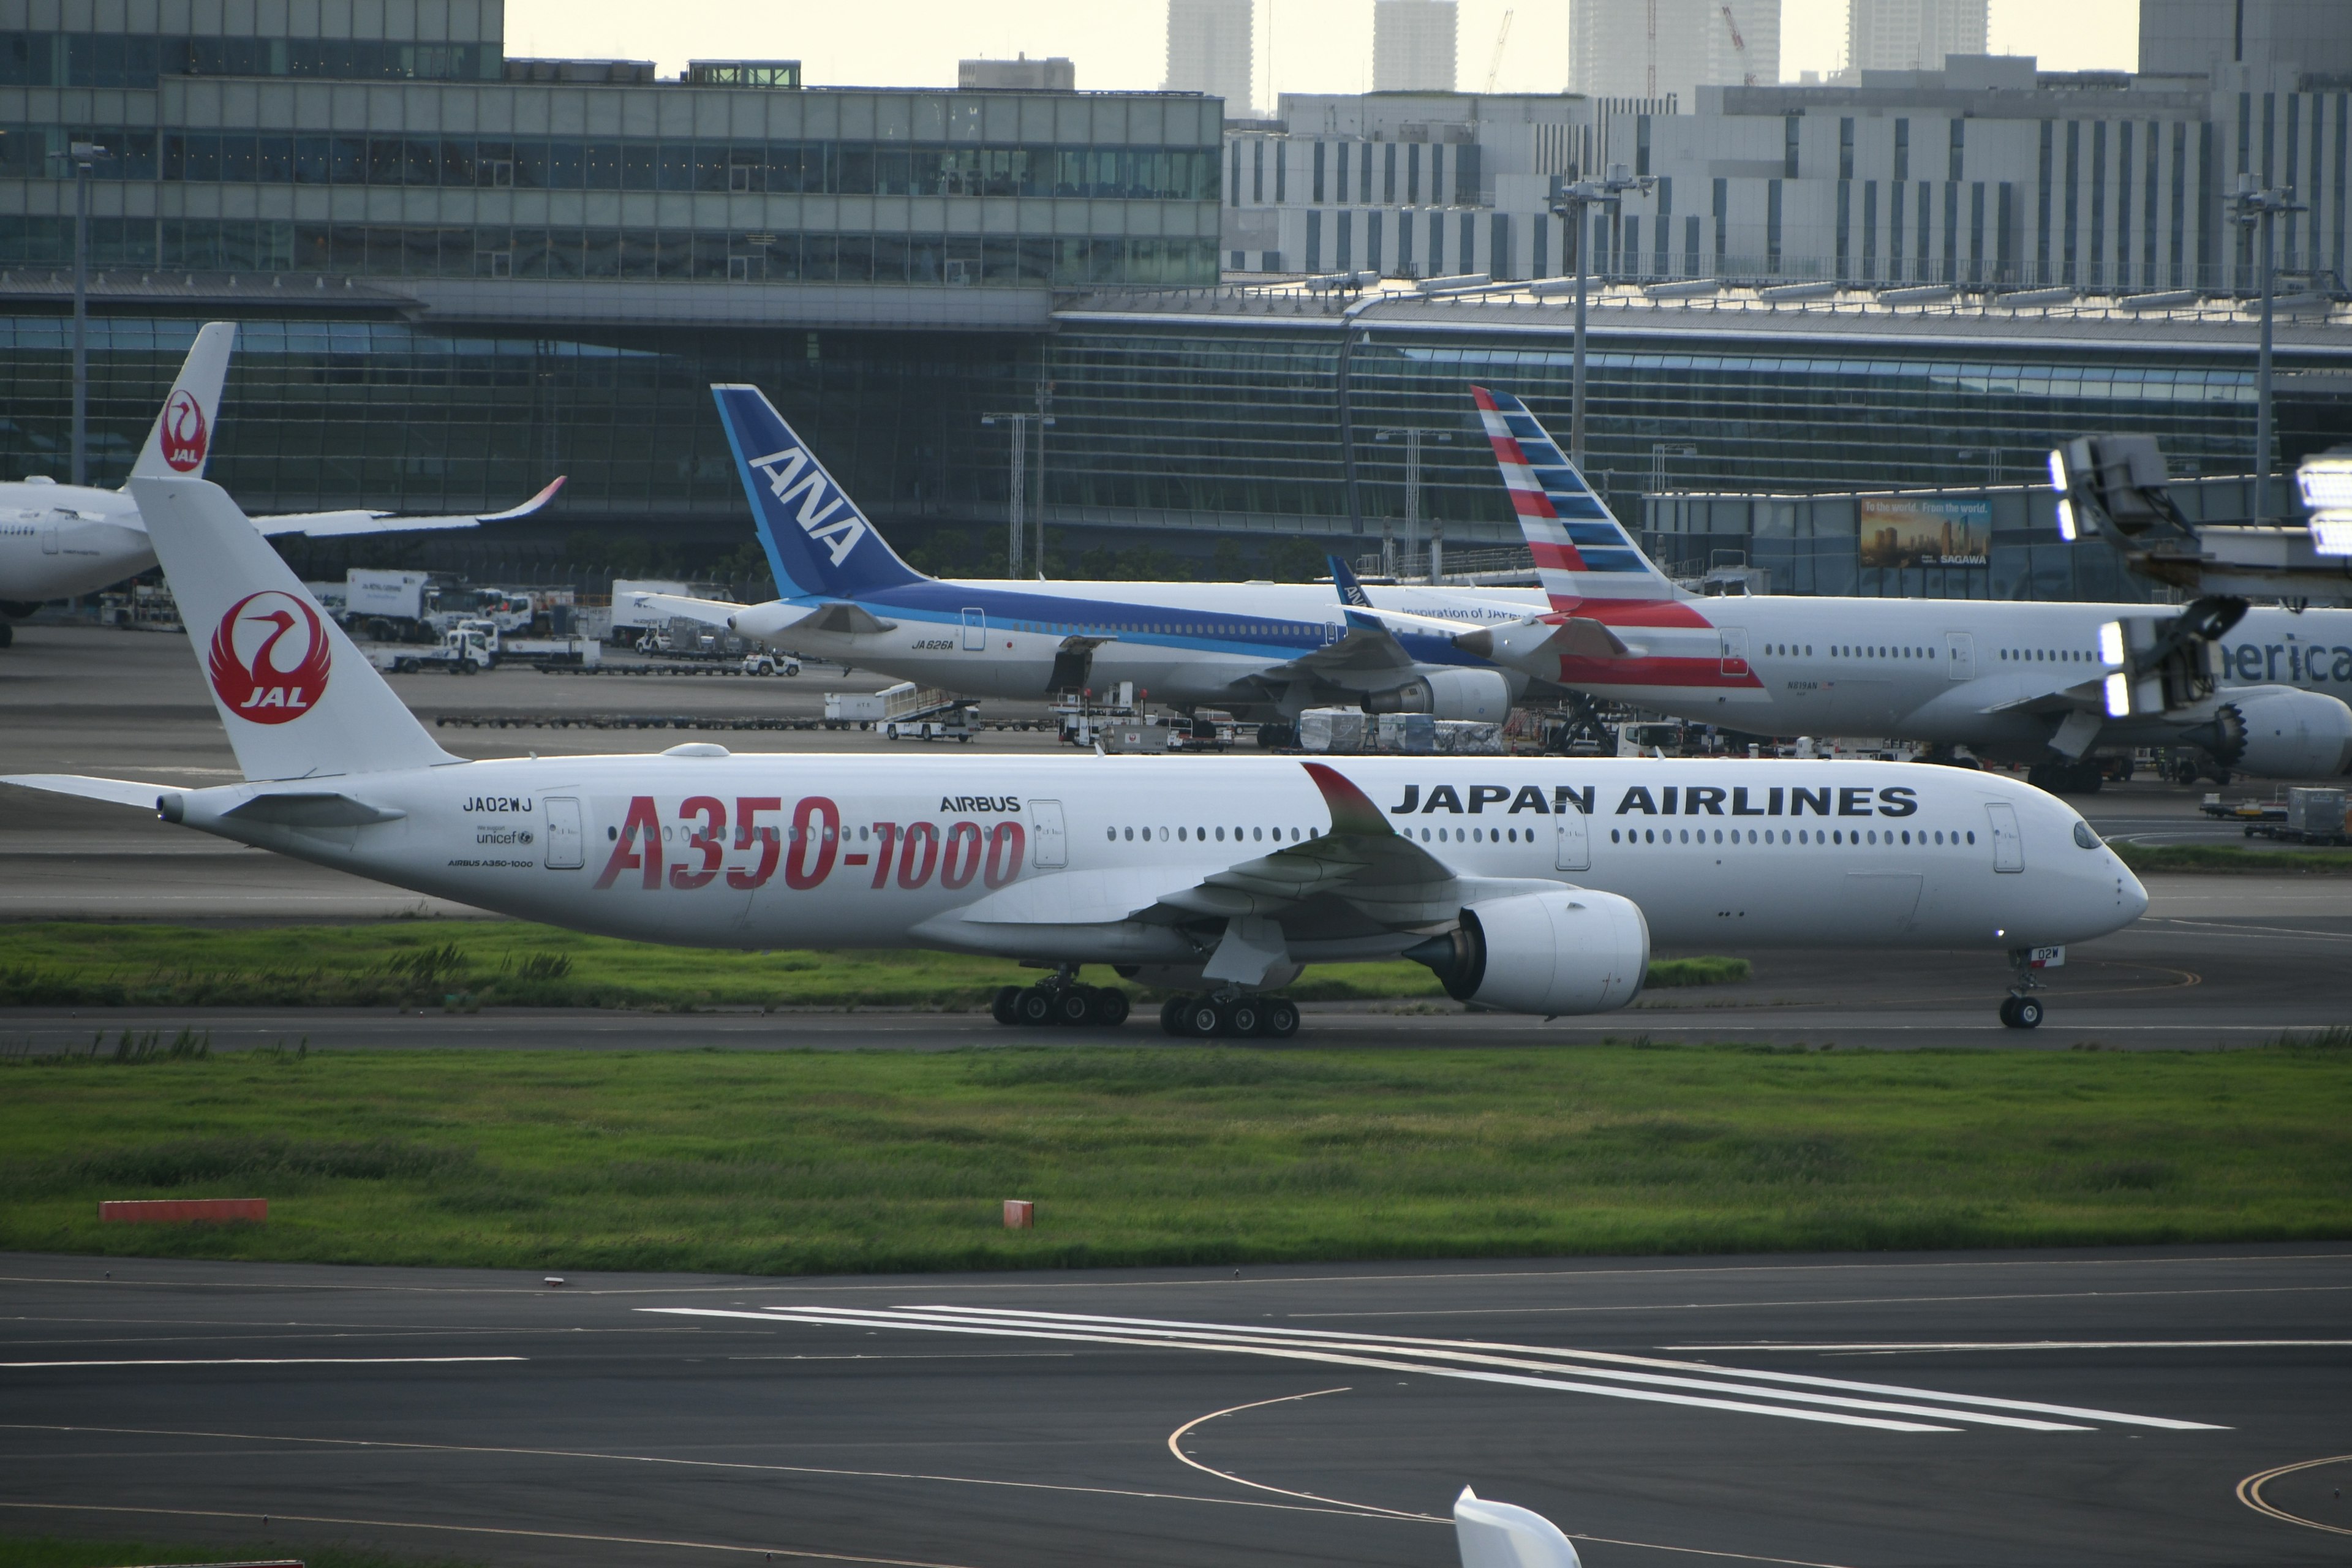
[(1302, 45)]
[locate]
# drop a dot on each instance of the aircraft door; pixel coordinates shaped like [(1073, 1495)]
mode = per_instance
[(566, 846), (1570, 847), (1960, 655), (1048, 840), (2008, 844), (1734, 641), (975, 631), (49, 540)]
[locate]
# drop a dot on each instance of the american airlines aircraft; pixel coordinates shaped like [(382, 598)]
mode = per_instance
[(2017, 682), (1266, 649), (57, 540), (1531, 885)]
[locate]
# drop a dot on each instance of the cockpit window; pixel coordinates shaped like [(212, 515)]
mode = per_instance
[(2084, 837)]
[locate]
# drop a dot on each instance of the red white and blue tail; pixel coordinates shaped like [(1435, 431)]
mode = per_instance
[(1582, 552)]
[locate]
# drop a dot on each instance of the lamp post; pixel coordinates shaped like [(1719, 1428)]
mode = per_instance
[(84, 155), (1017, 422), (1413, 437), (1570, 201), (2252, 208)]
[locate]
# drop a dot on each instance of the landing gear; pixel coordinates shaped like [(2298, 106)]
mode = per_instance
[(7, 634), (1232, 1018), (2066, 778), (1060, 1001), (2021, 1009)]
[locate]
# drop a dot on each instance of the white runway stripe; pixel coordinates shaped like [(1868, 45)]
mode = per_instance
[(851, 1317), (1585, 1363), (2026, 1345), (281, 1361)]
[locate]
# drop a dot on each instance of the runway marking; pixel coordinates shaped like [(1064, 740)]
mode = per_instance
[(805, 1553), (1175, 1439), (662, 1459), (1828, 1301), (853, 1318), (279, 1361), (2032, 1345), (2232, 928), (2249, 1492)]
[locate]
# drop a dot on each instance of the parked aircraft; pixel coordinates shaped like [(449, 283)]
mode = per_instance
[(2011, 682), (1267, 649), (57, 540), (1533, 886)]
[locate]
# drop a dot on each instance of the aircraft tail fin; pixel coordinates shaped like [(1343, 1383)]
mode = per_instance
[(1581, 552), (818, 543), (1351, 591), (299, 700), (182, 436)]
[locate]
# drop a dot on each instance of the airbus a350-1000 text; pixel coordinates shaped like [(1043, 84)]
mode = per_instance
[(1533, 886)]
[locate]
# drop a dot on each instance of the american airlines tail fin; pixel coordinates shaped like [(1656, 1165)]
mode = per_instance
[(181, 437), (297, 698), (1581, 552), (818, 543)]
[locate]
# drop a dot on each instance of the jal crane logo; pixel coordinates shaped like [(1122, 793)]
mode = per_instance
[(185, 437), (269, 657)]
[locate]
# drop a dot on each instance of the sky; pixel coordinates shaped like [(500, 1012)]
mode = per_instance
[(1304, 46)]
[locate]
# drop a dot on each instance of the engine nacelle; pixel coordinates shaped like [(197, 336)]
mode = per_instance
[(2278, 731), (1448, 694), (1568, 951)]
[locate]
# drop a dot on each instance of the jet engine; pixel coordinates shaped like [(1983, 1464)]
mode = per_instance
[(1447, 694), (1563, 951), (2278, 731)]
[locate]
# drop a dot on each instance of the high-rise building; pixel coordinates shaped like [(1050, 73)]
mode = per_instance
[(1912, 35), (1661, 48), (1412, 45), (2207, 37), (1210, 50), (1023, 75)]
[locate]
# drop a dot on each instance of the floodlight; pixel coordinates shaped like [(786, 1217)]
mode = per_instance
[(2331, 533), (2118, 695), (2326, 482), (2058, 469), (2111, 645), (2066, 519)]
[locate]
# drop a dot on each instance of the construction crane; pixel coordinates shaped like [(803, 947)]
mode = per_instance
[(1740, 48), (1502, 37)]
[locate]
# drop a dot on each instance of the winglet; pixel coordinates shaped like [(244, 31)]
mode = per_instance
[(1352, 810), (1351, 591), (532, 505), (1360, 621)]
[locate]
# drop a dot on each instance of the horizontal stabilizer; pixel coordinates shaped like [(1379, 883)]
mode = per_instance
[(312, 809), (114, 792)]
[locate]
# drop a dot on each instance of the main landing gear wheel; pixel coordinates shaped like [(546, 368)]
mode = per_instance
[(1241, 1018), (1034, 1007), (2020, 1012), (1005, 1006), (1281, 1018)]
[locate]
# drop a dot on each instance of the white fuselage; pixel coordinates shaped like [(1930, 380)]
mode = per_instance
[(1048, 857), (57, 540)]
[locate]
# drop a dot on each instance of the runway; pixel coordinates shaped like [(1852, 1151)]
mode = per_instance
[(2077, 1407)]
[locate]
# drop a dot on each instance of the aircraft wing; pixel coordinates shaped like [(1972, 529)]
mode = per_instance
[(2089, 696), (337, 524), (1370, 647), (835, 617)]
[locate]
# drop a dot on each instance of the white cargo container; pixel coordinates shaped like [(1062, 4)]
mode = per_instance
[(1414, 734), (1338, 732), (1469, 738)]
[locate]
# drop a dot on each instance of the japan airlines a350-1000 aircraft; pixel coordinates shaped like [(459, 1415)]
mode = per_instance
[(1265, 649), (1533, 886), (2027, 682), (57, 540)]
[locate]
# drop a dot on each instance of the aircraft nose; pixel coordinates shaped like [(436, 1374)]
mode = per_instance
[(2131, 896)]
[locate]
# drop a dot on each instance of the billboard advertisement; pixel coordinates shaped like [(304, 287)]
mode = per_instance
[(1904, 531)]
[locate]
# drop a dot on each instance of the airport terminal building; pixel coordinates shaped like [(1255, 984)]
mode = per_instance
[(459, 274)]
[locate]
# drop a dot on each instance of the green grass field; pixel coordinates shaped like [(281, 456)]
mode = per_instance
[(509, 963), (2229, 857), (801, 1162)]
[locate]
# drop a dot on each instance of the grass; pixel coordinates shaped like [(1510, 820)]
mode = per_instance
[(57, 1552), (821, 1162), (2229, 857), (411, 964)]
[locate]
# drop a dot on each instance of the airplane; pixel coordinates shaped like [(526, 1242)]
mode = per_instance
[(1262, 649), (1530, 885), (2029, 682), (60, 540)]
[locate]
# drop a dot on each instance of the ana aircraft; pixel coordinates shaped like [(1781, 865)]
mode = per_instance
[(57, 540), (2010, 681), (1266, 649), (1532, 886)]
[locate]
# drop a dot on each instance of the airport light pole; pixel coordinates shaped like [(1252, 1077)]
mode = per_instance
[(1017, 423), (1659, 452), (1413, 437), (86, 156), (2254, 207), (1570, 201)]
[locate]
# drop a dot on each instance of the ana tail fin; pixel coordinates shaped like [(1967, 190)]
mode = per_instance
[(297, 698), (1351, 591), (818, 543), (181, 437), (1581, 552)]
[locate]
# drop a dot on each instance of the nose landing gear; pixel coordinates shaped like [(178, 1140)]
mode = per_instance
[(2021, 1009)]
